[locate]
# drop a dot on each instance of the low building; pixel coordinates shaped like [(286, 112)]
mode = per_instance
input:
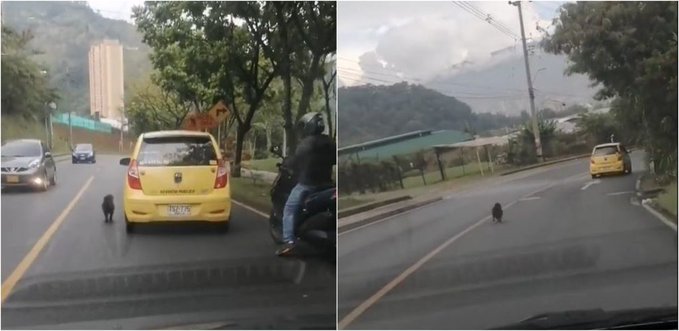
[(403, 144)]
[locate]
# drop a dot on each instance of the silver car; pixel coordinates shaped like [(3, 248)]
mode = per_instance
[(27, 163)]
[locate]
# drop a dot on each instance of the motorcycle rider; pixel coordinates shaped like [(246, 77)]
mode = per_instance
[(312, 162)]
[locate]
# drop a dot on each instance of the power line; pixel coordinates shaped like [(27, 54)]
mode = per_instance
[(490, 19), (486, 18)]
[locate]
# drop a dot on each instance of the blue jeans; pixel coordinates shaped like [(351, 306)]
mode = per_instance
[(291, 210)]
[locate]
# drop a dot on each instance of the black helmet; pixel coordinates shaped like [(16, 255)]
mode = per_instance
[(311, 124)]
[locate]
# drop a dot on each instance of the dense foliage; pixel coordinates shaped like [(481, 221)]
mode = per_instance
[(206, 51), (62, 34), (631, 49), (25, 87)]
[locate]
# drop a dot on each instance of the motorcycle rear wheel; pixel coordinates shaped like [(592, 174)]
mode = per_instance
[(275, 229)]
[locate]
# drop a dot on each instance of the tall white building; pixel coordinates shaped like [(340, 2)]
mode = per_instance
[(106, 79)]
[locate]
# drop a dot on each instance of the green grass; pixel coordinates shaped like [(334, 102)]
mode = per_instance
[(668, 199), (16, 127), (263, 164), (434, 177), (349, 202), (254, 195)]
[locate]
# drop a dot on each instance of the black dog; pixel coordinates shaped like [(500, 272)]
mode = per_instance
[(108, 207), (497, 213)]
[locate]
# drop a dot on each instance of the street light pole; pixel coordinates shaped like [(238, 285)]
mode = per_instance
[(51, 107), (70, 131), (531, 92)]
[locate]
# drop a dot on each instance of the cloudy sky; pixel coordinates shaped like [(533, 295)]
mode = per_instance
[(378, 41), (119, 9)]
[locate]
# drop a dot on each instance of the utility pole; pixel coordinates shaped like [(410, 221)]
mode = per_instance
[(531, 92)]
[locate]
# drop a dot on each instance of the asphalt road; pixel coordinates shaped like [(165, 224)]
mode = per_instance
[(94, 275), (568, 243)]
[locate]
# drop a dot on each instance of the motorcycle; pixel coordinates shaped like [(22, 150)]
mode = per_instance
[(317, 220)]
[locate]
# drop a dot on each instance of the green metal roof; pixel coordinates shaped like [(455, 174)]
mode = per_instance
[(409, 146)]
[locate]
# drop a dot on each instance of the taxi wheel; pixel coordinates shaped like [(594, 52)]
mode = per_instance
[(129, 226), (223, 227)]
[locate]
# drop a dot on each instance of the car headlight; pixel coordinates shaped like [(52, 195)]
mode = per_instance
[(34, 164)]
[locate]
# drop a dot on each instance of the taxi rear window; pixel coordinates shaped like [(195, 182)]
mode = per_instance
[(177, 151), (606, 150)]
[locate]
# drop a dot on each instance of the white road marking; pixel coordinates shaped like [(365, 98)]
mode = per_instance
[(240, 204), (659, 216), (384, 219), (619, 193), (365, 305), (590, 184), (529, 198)]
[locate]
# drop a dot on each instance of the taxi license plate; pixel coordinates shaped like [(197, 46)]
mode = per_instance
[(179, 210), (12, 179)]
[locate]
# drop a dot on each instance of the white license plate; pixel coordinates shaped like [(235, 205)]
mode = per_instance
[(12, 179), (179, 210)]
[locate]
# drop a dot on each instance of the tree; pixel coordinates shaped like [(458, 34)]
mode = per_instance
[(302, 34), (599, 127), (329, 92), (316, 24), (25, 88), (151, 108), (207, 51), (631, 49)]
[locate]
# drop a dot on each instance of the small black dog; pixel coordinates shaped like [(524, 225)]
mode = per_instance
[(497, 213), (108, 207)]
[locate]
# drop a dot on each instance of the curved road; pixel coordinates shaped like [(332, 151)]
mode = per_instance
[(568, 242), (94, 275)]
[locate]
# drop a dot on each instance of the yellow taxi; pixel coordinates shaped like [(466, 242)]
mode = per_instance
[(176, 176), (612, 158)]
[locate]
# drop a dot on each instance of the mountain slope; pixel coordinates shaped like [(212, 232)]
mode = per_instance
[(371, 112), (63, 32), (501, 86)]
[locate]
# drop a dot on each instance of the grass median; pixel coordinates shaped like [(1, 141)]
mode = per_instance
[(262, 164), (253, 194), (668, 200)]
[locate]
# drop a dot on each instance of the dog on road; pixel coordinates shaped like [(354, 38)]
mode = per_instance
[(108, 207), (497, 213)]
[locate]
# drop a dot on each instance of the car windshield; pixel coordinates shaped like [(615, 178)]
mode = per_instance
[(177, 151), (21, 148), (605, 150), (83, 148)]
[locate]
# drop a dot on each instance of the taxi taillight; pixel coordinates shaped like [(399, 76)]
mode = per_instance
[(222, 174), (133, 176)]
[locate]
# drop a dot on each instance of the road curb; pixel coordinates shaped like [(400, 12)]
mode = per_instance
[(544, 164), (659, 215), (648, 205), (368, 220), (372, 205)]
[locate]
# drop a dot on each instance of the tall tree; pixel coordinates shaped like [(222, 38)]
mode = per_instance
[(207, 51), (631, 49), (152, 108), (25, 89), (329, 91), (316, 24)]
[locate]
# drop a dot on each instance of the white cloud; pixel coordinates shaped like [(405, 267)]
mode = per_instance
[(119, 9), (422, 39)]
